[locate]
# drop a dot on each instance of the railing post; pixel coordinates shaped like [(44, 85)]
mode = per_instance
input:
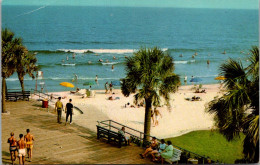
[(109, 124), (141, 140)]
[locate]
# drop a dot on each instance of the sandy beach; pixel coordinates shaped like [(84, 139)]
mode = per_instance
[(184, 116)]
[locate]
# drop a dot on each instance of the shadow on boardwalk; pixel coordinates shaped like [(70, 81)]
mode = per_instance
[(59, 144)]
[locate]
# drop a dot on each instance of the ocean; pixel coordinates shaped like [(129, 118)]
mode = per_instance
[(57, 32)]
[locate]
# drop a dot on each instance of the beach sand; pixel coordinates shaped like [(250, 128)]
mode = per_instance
[(184, 116)]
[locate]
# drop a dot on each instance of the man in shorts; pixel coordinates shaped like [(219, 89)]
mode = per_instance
[(29, 143), (13, 148), (59, 108), (69, 111), (21, 149)]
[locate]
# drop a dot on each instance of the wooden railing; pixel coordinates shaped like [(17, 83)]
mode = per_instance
[(137, 137)]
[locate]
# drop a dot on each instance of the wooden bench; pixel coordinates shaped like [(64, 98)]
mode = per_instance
[(175, 157), (17, 95), (109, 135)]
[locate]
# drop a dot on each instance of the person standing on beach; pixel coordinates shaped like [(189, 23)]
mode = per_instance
[(110, 87), (13, 148), (185, 79), (59, 108), (106, 87), (29, 143), (21, 149), (69, 111), (157, 113)]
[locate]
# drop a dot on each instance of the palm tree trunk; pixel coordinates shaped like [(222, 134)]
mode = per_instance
[(3, 94), (22, 85), (147, 119)]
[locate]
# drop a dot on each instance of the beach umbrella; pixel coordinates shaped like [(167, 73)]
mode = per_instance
[(220, 78), (88, 83), (67, 84), (196, 79), (116, 83)]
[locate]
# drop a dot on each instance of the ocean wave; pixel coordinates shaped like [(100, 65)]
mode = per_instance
[(98, 51), (115, 51), (183, 62)]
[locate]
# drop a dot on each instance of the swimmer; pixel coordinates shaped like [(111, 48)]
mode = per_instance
[(73, 56), (193, 56), (224, 52), (63, 61), (96, 54), (107, 61), (89, 62), (180, 55), (112, 67), (114, 57), (100, 60), (126, 57), (208, 62), (196, 54), (67, 58)]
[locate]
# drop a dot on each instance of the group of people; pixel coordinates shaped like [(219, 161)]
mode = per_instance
[(155, 116), (20, 146), (158, 151), (68, 110), (108, 86)]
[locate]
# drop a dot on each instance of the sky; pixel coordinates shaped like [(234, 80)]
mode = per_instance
[(227, 4)]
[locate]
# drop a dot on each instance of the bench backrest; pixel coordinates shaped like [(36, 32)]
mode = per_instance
[(107, 131), (176, 154)]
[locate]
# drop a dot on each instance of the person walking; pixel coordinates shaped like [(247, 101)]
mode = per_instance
[(69, 111), (21, 144), (29, 143), (59, 108), (13, 148)]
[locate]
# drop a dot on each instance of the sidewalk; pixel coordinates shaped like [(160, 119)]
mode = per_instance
[(59, 144)]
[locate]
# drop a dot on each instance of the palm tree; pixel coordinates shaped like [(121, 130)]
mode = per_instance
[(9, 45), (238, 109), (25, 64), (151, 71)]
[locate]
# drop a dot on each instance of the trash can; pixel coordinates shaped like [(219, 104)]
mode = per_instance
[(44, 103)]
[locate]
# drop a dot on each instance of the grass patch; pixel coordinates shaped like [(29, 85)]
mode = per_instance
[(212, 144)]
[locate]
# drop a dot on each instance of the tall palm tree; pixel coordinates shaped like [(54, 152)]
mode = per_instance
[(150, 70), (9, 46), (238, 109)]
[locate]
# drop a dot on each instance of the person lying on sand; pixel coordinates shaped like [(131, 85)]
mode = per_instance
[(202, 91)]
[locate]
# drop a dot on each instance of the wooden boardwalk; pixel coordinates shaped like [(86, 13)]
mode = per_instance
[(59, 144)]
